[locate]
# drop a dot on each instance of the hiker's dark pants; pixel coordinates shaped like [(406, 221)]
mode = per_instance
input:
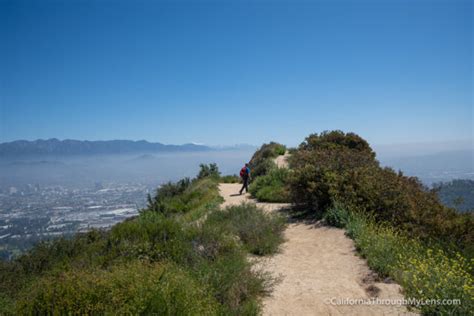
[(245, 184)]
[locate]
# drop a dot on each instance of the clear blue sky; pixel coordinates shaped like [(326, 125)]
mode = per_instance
[(229, 72)]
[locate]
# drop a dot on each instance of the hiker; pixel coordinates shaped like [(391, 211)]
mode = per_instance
[(245, 175)]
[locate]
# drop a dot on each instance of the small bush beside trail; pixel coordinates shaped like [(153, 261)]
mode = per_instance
[(336, 216), (272, 187), (260, 232)]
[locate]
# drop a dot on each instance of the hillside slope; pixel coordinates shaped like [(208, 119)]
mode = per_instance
[(317, 264)]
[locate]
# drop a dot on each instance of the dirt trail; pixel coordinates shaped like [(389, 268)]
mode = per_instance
[(317, 264), (282, 160)]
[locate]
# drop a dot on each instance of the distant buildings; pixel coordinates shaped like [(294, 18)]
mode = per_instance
[(32, 213)]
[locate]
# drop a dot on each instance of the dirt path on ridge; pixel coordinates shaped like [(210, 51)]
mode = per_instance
[(316, 264), (282, 160)]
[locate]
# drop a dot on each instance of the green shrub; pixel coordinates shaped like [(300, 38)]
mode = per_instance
[(280, 149), (177, 293), (272, 187), (230, 179), (212, 240), (261, 232), (262, 168), (262, 159), (48, 255), (208, 171), (222, 264), (337, 139), (381, 253), (321, 169), (425, 272), (7, 305), (170, 189), (129, 289), (151, 236), (166, 193), (185, 196), (203, 196), (335, 166), (234, 283), (336, 216)]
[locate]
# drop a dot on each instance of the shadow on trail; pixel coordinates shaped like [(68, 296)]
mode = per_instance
[(299, 215)]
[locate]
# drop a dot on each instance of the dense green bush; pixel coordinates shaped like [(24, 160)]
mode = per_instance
[(337, 139), (262, 159), (272, 187), (270, 184), (151, 236), (262, 168), (178, 293), (261, 232), (336, 216), (335, 166), (426, 272), (7, 305), (125, 289), (280, 149), (321, 167)]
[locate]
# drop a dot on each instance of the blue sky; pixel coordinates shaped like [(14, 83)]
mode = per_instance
[(229, 72)]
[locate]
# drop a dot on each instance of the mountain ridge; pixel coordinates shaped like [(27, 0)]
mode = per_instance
[(54, 146)]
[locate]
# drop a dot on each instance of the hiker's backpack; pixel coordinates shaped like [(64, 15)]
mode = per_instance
[(243, 172)]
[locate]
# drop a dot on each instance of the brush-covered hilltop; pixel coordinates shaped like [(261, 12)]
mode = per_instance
[(186, 254)]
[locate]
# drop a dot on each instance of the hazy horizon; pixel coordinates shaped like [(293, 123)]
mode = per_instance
[(461, 141), (431, 162)]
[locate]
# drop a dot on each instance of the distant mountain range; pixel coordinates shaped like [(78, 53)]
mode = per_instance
[(54, 146)]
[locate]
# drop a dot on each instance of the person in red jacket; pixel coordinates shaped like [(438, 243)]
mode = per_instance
[(245, 175)]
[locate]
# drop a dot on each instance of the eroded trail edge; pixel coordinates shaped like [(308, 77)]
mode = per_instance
[(318, 267)]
